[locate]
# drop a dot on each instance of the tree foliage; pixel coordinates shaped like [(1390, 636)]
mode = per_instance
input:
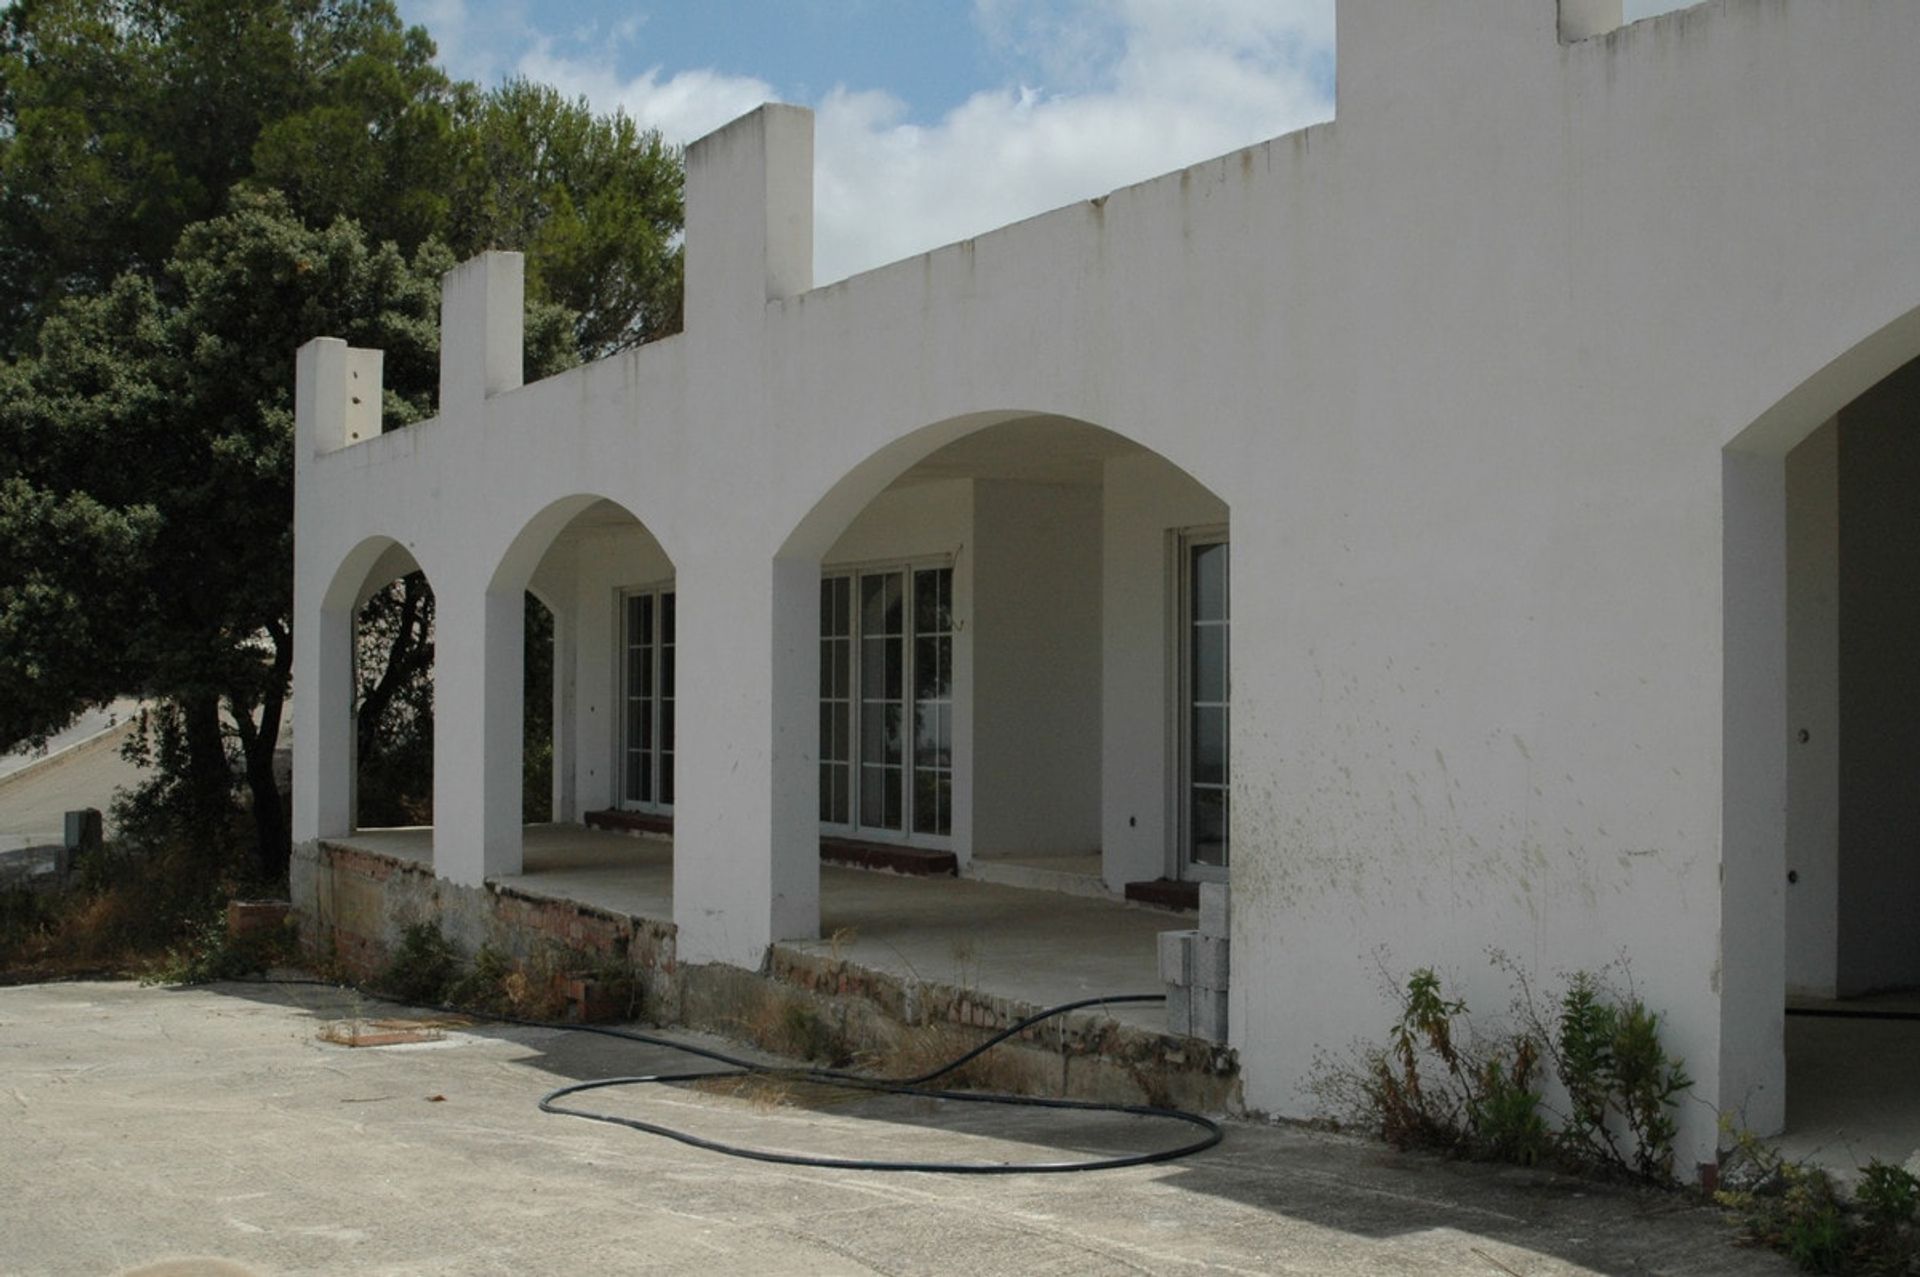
[(123, 122), (189, 191)]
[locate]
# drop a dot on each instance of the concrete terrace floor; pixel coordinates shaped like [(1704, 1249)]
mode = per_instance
[(1036, 946), (1853, 1085), (146, 1124)]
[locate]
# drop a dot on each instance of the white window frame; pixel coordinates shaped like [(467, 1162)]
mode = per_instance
[(905, 835), (622, 641), (1182, 543)]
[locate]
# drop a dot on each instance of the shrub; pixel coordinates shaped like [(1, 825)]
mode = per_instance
[(1442, 1083)]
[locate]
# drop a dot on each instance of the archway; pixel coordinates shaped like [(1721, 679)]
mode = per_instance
[(1822, 878), (1018, 667), (583, 602), (378, 583)]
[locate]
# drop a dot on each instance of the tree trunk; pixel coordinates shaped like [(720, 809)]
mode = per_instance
[(209, 783), (272, 846)]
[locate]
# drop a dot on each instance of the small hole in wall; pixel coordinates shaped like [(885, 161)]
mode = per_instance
[(1793, 876), (1132, 821)]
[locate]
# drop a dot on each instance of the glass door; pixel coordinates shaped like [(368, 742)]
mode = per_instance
[(647, 735), (1205, 694)]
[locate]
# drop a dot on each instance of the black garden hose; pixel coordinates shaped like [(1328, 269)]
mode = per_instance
[(917, 1086)]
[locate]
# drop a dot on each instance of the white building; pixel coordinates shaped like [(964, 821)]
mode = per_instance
[(1554, 406)]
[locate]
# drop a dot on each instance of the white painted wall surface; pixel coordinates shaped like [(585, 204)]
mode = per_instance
[(1037, 660), (1147, 504), (1462, 363), (1813, 708)]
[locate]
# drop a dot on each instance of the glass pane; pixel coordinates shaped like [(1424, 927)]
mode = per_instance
[(926, 669), (1209, 817), (1210, 663), (896, 658), (896, 603), (873, 797), (873, 604), (666, 780), (843, 606), (895, 799), (666, 724), (931, 593), (666, 671), (842, 779), (1209, 757), (634, 762), (640, 723), (826, 607), (895, 751), (1209, 575), (873, 733), (666, 617), (842, 733), (873, 668), (926, 803), (826, 791), (826, 734), (644, 791)]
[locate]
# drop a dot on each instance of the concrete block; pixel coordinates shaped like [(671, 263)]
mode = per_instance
[(1208, 1012), (1216, 910), (1176, 957), (1179, 1010), (1210, 963)]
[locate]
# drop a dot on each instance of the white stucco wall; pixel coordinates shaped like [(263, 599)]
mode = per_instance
[(1037, 660), (1496, 373)]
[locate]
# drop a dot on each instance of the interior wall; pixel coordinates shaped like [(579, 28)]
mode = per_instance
[(1146, 501), (1037, 661), (1813, 712), (1879, 764)]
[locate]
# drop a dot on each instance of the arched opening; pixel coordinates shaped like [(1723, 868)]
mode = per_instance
[(1822, 745), (364, 715), (593, 744), (1022, 635), (393, 705)]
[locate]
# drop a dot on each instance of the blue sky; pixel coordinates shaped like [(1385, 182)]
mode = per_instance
[(935, 119)]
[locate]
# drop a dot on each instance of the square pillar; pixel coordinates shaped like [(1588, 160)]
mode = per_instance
[(746, 856), (477, 723)]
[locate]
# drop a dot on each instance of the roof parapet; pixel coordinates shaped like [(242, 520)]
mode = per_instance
[(749, 216), (337, 396), (482, 330)]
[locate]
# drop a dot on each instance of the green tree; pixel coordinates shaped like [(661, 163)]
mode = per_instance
[(165, 428), (164, 168), (123, 122)]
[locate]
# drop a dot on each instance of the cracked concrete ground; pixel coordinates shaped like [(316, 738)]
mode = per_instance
[(140, 1124)]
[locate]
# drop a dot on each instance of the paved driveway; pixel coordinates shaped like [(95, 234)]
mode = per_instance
[(141, 1124)]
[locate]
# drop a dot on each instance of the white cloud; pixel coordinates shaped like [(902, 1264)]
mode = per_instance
[(1120, 91)]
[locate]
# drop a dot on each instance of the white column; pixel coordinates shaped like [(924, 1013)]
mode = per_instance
[(477, 723), (336, 403), (746, 866)]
